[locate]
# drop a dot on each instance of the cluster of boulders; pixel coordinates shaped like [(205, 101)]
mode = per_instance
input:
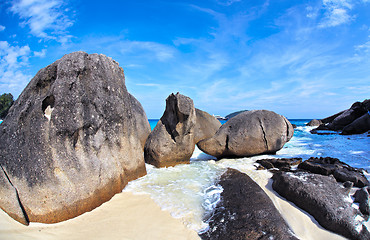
[(322, 187), (355, 120), (76, 136)]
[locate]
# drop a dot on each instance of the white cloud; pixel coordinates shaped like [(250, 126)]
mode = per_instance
[(336, 13), (2, 28), (46, 18), (12, 59), (40, 54), (227, 2)]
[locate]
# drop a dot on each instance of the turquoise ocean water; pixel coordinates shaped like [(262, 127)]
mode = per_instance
[(354, 150), (189, 191)]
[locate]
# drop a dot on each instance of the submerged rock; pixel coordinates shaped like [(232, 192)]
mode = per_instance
[(249, 133), (326, 200), (71, 140), (245, 212)]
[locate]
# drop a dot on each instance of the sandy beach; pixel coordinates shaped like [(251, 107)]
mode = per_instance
[(126, 216)]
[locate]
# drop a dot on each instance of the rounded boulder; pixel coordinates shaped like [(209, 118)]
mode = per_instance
[(249, 133)]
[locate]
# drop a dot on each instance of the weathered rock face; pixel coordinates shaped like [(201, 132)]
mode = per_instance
[(326, 200), (141, 119), (249, 133), (70, 141), (314, 122), (172, 140), (245, 212), (355, 120), (206, 125), (340, 170)]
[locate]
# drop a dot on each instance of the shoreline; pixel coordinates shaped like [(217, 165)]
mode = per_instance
[(126, 216)]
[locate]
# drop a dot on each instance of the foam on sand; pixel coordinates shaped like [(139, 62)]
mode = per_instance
[(125, 216)]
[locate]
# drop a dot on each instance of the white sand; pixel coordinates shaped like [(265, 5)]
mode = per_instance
[(126, 216)]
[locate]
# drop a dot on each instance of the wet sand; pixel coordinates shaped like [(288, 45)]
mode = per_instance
[(126, 216)]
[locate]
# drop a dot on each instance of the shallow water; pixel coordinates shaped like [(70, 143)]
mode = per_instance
[(189, 192)]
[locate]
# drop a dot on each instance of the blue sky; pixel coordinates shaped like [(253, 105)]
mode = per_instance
[(302, 59)]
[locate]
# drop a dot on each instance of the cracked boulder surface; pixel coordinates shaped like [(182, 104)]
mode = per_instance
[(71, 141), (249, 133), (172, 141)]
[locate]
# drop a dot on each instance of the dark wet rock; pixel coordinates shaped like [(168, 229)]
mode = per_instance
[(314, 123), (323, 198), (351, 121), (352, 175), (348, 184), (323, 132), (70, 141), (358, 126), (249, 133), (245, 212), (361, 196), (206, 125), (281, 163), (341, 171), (294, 126), (172, 141)]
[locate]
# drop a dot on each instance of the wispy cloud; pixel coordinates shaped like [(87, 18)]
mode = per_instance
[(337, 12), (2, 28), (46, 19), (12, 59), (227, 2)]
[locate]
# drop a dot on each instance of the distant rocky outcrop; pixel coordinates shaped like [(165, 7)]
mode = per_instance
[(249, 133), (314, 123), (355, 120), (231, 115), (245, 212), (71, 141), (174, 137), (326, 200)]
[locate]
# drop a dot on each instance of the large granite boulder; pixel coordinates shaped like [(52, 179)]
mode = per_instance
[(206, 125), (172, 140), (70, 141), (325, 199), (141, 119), (249, 133), (245, 212)]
